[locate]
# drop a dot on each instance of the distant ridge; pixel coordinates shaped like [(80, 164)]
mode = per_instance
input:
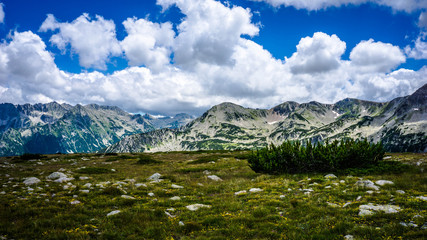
[(400, 124)]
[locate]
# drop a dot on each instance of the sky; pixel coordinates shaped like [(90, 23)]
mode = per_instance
[(171, 56)]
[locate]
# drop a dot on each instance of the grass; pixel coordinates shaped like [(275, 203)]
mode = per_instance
[(282, 210)]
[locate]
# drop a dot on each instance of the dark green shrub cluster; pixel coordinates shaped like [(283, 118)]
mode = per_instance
[(93, 170), (295, 157), (147, 159)]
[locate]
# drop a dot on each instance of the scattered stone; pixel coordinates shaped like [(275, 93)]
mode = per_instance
[(3, 192), (240, 192), (155, 177), (348, 237), (140, 185), (384, 182), (330, 176), (171, 209), (367, 184), (84, 191), (127, 197), (387, 157), (169, 215), (206, 172), (214, 177), (176, 186), (75, 202), (332, 204), (181, 223), (400, 191), (200, 184), (422, 198), (56, 175), (113, 213), (255, 190), (346, 204), (83, 178), (282, 196), (197, 206), (417, 216), (87, 185), (175, 198), (31, 181), (113, 170), (328, 187), (370, 192), (151, 194), (365, 210), (342, 181)]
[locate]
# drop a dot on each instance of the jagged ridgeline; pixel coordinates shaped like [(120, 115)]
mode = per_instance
[(53, 127), (400, 124)]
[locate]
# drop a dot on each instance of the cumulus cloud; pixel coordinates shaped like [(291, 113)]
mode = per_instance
[(399, 5), (148, 43), (1, 13), (209, 32), (419, 50), (93, 40), (320, 53), (370, 56), (422, 20), (228, 67)]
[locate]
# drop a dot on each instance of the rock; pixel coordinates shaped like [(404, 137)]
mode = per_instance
[(127, 197), (370, 192), (422, 198), (255, 190), (63, 179), (364, 212), (175, 198), (197, 206), (176, 186), (400, 191), (84, 191), (181, 223), (240, 192), (31, 181), (140, 185), (367, 184), (214, 177), (346, 204), (151, 194), (206, 172), (384, 182), (155, 177), (113, 213), (169, 215), (348, 237), (342, 181), (384, 208), (332, 204), (83, 178), (328, 187), (282, 196), (330, 176), (75, 202), (87, 185), (56, 175)]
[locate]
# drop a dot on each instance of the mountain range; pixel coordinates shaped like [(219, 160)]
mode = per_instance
[(53, 127), (401, 124)]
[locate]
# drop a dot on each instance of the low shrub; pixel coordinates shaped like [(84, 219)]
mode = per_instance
[(295, 157), (93, 170), (147, 159)]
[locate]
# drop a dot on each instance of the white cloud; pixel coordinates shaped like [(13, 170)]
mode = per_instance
[(209, 32), (93, 40), (320, 53), (312, 5), (1, 13), (148, 43), (422, 20), (370, 56), (419, 51)]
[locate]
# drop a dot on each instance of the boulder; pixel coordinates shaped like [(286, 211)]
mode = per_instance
[(384, 182), (330, 176), (367, 184), (197, 206), (176, 186), (56, 175), (214, 177), (113, 213), (155, 177), (255, 190), (31, 181)]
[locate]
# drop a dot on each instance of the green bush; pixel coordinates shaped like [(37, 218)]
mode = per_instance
[(147, 159), (295, 157), (93, 170)]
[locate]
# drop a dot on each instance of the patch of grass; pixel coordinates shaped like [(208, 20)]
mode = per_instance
[(147, 159), (93, 170)]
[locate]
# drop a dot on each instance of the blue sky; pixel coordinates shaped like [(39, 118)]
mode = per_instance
[(170, 56)]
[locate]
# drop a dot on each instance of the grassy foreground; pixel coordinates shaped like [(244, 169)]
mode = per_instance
[(300, 206)]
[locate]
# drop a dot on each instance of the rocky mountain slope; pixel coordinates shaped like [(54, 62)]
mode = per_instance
[(400, 124), (53, 127)]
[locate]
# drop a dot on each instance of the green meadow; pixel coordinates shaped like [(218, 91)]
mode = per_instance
[(207, 195)]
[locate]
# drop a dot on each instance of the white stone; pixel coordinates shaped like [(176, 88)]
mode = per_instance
[(84, 191), (151, 194), (56, 175), (140, 185), (181, 223), (332, 204), (63, 179), (169, 215), (127, 197), (83, 178), (346, 204), (214, 177), (342, 181), (75, 202), (400, 191), (330, 176), (328, 187), (255, 190), (370, 192), (206, 172), (348, 237), (87, 185), (113, 213), (175, 198), (377, 208), (31, 181), (176, 186), (282, 196), (384, 182), (364, 212), (197, 206), (422, 198), (367, 184), (240, 192), (155, 177)]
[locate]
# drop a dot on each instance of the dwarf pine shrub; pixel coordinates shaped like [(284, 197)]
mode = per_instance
[(296, 157)]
